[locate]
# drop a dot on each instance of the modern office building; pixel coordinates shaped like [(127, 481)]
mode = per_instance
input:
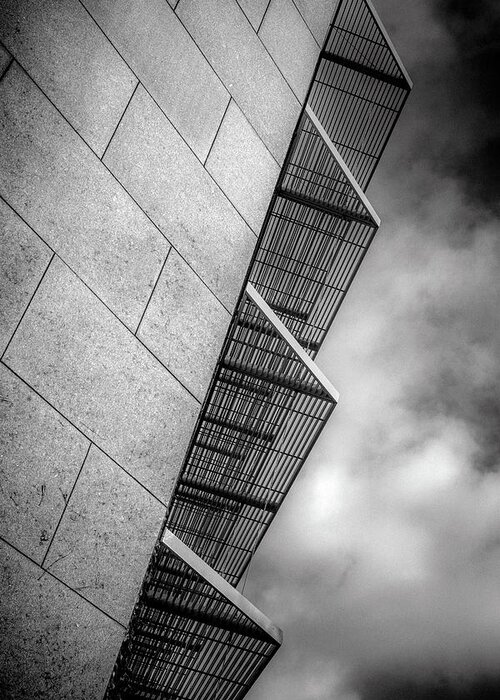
[(182, 212)]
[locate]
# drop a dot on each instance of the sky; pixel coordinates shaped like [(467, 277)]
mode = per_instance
[(383, 566)]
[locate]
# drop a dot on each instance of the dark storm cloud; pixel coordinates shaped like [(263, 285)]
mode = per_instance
[(384, 564), (452, 52), (475, 29), (454, 59), (452, 156)]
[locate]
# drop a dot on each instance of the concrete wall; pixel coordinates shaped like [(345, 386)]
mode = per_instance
[(139, 146)]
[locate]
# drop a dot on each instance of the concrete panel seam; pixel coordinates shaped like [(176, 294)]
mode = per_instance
[(272, 59), (265, 47), (228, 168), (32, 296), (246, 13), (103, 303), (262, 43), (151, 295), (6, 69), (73, 61), (290, 45), (128, 193), (26, 223), (260, 139), (255, 132), (129, 331), (79, 430), (232, 96), (67, 500), (305, 22), (119, 120), (263, 17), (166, 117), (231, 99), (46, 571)]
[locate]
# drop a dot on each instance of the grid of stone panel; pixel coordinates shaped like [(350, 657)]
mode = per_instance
[(125, 160), (268, 402)]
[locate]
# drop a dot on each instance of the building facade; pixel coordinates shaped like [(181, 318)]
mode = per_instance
[(183, 210)]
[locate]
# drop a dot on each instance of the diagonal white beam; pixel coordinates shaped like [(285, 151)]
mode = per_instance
[(349, 176), (283, 331), (221, 585), (390, 45)]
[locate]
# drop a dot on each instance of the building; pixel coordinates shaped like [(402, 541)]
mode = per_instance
[(172, 183)]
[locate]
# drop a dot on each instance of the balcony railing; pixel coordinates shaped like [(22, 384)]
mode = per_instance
[(267, 405), (192, 635), (359, 88)]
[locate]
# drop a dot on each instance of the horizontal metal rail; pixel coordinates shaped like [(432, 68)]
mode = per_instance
[(367, 70)]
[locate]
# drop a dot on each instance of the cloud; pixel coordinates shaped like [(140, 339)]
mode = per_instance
[(383, 565), (452, 51)]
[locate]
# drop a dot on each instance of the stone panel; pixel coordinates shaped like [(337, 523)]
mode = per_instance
[(318, 16), (245, 67), (185, 325), (243, 167), (254, 10), (290, 43), (52, 179), (168, 63), (105, 539), (151, 160), (22, 264), (54, 645), (4, 59), (72, 350), (40, 456), (69, 58)]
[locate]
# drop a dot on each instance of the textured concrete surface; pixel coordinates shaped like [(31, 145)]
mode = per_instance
[(22, 263), (82, 374), (40, 456), (73, 63), (318, 15), (4, 59), (243, 167), (232, 47), (106, 536), (168, 63), (158, 169), (63, 191), (54, 645), (72, 350), (185, 325), (254, 10), (290, 43)]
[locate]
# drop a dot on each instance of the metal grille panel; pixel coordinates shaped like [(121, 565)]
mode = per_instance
[(360, 87), (267, 401), (319, 227), (191, 635), (263, 414)]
